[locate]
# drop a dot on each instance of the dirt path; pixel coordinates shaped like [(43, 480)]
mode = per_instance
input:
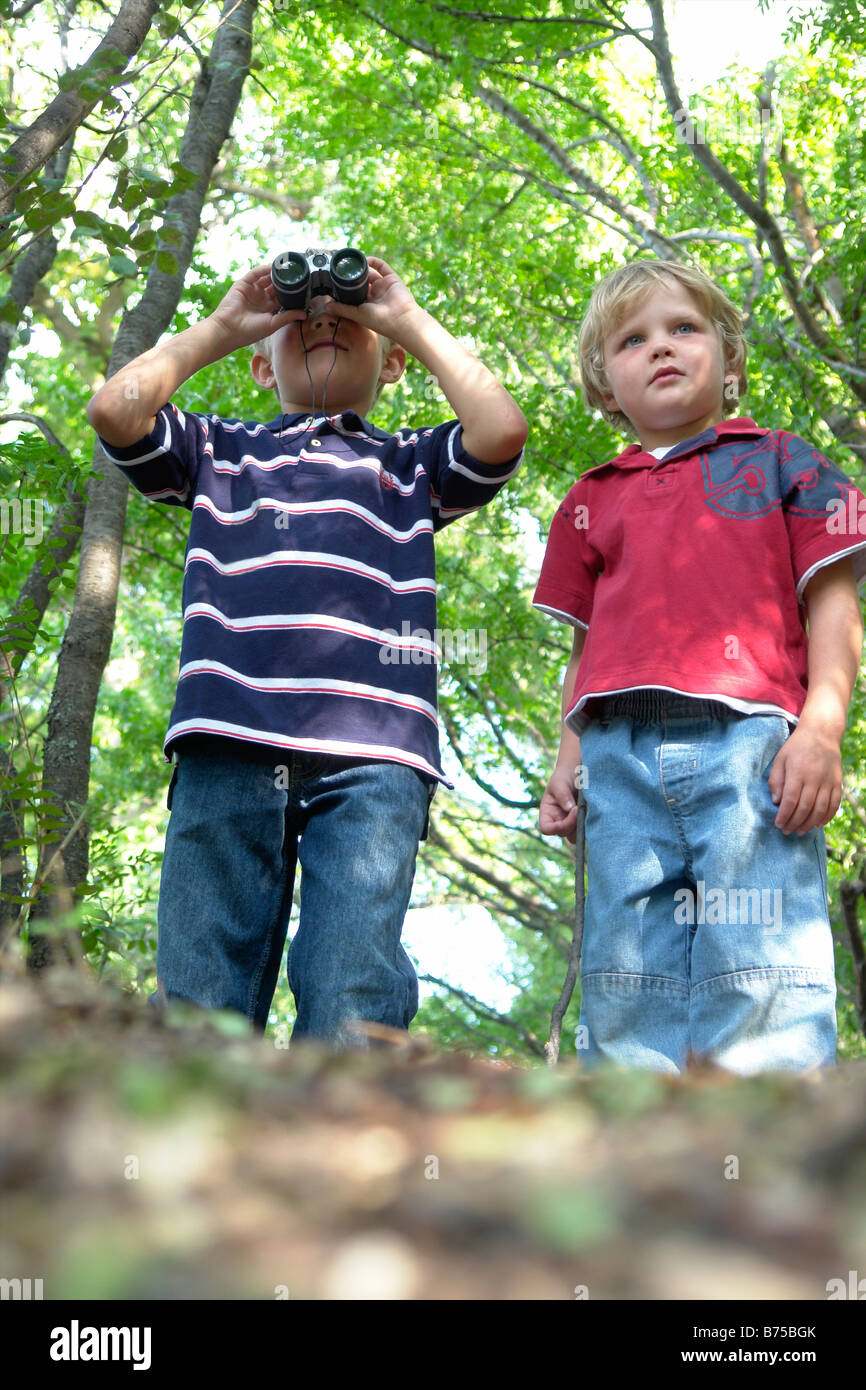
[(142, 1161)]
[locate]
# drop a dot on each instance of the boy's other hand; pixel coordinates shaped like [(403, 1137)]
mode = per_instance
[(557, 814), (805, 780), (388, 301), (251, 309)]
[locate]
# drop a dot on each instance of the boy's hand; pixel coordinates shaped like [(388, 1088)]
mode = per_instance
[(806, 780), (557, 814), (251, 309), (388, 301)]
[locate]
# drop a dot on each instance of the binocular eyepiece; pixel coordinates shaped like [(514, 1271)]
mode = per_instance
[(299, 276)]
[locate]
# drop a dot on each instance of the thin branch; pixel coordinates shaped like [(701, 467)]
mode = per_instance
[(616, 137), (843, 368), (629, 212), (725, 180), (848, 895), (485, 1010), (31, 419), (534, 910), (155, 554), (469, 769), (459, 825), (738, 239)]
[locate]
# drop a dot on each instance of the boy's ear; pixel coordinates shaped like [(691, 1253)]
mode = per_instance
[(263, 371), (394, 364)]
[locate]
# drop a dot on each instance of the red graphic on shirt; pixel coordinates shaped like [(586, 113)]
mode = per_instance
[(736, 484), (824, 482)]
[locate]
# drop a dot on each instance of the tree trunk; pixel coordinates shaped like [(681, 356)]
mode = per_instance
[(86, 645)]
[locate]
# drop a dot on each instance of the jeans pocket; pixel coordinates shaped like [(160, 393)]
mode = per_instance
[(778, 733)]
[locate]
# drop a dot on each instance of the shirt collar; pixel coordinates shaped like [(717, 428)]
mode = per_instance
[(741, 428), (344, 421)]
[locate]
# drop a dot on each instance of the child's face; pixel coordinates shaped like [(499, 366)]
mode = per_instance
[(665, 367), (353, 358)]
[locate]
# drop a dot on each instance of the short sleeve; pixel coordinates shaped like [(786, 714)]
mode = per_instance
[(570, 568), (825, 513), (459, 483), (163, 465)]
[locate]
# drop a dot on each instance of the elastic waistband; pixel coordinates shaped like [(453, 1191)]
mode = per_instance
[(654, 706)]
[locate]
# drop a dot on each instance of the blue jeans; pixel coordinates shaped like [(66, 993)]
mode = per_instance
[(706, 928), (238, 827)]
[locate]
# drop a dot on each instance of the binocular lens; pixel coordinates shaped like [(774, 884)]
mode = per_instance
[(349, 265), (291, 269)]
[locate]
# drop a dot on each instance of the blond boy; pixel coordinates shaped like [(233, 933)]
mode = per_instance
[(703, 716)]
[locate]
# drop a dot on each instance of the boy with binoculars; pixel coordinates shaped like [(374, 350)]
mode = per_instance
[(310, 545)]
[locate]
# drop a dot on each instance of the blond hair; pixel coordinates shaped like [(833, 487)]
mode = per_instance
[(615, 295)]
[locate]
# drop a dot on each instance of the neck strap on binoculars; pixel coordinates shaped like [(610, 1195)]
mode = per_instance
[(318, 409)]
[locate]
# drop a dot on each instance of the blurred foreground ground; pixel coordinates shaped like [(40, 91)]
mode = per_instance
[(144, 1161)]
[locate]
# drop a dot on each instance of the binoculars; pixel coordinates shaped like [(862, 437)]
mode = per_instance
[(299, 276)]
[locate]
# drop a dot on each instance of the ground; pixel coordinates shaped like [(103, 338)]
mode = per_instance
[(146, 1161)]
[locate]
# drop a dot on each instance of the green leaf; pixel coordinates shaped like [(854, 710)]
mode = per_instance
[(122, 265), (144, 240), (132, 197), (87, 219)]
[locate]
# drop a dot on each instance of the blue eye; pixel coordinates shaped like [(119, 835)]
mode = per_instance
[(638, 337)]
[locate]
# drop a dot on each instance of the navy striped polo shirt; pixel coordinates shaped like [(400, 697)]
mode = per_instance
[(309, 590)]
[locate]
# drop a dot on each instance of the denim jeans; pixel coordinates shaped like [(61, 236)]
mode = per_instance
[(235, 834), (680, 952)]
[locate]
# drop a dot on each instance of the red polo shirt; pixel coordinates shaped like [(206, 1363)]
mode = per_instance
[(689, 571)]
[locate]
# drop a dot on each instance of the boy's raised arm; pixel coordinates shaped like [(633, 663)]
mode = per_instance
[(124, 409), (494, 426)]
